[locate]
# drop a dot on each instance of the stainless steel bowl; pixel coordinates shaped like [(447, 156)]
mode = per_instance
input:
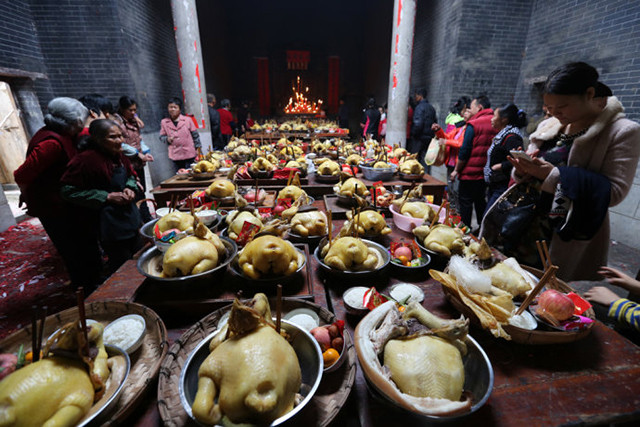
[(102, 415), (146, 230), (305, 346), (383, 261), (150, 264), (378, 174)]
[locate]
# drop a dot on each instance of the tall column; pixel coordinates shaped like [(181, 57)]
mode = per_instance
[(194, 91), (404, 15)]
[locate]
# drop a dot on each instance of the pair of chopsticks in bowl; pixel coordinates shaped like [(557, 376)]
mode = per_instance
[(548, 276)]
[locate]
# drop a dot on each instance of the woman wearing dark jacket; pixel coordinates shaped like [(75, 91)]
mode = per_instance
[(102, 181), (370, 120), (49, 151), (507, 120)]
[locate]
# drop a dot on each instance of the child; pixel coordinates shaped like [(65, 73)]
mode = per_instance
[(623, 310)]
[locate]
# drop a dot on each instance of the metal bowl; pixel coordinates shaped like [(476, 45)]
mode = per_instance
[(150, 264), (410, 177), (235, 269), (102, 415), (383, 261), (146, 230), (478, 375), (378, 174), (438, 261), (328, 179), (305, 346)]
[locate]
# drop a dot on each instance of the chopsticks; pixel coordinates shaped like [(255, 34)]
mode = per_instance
[(37, 331), (546, 277), (83, 319), (543, 251)]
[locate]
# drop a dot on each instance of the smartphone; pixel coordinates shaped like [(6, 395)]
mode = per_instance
[(520, 155)]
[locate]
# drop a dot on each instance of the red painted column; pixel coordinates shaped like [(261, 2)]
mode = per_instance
[(334, 84)]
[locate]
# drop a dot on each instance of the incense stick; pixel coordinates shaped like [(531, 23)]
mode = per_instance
[(278, 307), (83, 319), (549, 272)]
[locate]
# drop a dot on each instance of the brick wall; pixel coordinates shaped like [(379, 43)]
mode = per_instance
[(19, 46), (466, 47)]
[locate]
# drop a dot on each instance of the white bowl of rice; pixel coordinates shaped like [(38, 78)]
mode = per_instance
[(126, 332)]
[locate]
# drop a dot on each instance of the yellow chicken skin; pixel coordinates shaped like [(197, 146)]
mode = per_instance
[(254, 374), (292, 192), (411, 167), (55, 391), (353, 186), (313, 223), (236, 221), (262, 165), (176, 219), (188, 256), (350, 254), (206, 166), (354, 160), (329, 167), (381, 165), (441, 238), (221, 188), (51, 392), (368, 223), (418, 210), (268, 255)]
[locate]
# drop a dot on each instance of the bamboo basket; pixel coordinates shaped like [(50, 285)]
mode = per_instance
[(145, 362), (320, 411), (524, 336)]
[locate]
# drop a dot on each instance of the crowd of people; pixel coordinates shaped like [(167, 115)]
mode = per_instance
[(83, 176)]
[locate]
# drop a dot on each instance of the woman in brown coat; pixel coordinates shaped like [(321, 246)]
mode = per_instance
[(601, 148)]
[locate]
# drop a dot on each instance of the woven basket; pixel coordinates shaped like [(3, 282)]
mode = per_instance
[(524, 336), (323, 407), (145, 362)]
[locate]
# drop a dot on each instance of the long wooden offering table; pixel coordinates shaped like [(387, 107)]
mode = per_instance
[(183, 186), (592, 381)]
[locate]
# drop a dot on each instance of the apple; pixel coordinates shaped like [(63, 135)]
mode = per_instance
[(321, 334), (403, 251)]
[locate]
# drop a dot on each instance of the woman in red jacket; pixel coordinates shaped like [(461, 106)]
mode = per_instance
[(49, 151)]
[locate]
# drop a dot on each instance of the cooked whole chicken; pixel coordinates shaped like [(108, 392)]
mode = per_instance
[(297, 165), (292, 192), (354, 160), (178, 220), (418, 210), (292, 150), (252, 373), (262, 165), (441, 238), (422, 368), (206, 166), (58, 390), (411, 167), (268, 256), (236, 220), (381, 165), (348, 188), (367, 222), (506, 278), (311, 223), (400, 152), (350, 254), (221, 188), (329, 167), (193, 254)]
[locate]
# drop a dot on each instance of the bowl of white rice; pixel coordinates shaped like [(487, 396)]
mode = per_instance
[(126, 332)]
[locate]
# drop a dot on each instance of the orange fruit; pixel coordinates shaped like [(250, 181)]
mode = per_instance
[(330, 357)]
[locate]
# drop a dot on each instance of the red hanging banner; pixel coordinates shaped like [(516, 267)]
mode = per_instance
[(334, 84), (264, 94)]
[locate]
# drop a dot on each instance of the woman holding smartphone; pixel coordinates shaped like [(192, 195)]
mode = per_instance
[(600, 149)]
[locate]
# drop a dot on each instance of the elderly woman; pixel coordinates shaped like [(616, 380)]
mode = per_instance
[(587, 166), (38, 177), (180, 133), (102, 181)]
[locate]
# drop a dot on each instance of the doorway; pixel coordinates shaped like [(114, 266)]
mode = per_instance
[(13, 138)]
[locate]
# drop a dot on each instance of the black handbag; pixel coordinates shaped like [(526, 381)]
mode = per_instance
[(516, 220)]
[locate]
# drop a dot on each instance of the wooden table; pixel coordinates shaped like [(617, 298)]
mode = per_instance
[(592, 381), (183, 187)]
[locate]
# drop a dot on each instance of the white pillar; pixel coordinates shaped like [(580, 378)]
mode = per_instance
[(404, 15), (185, 22)]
